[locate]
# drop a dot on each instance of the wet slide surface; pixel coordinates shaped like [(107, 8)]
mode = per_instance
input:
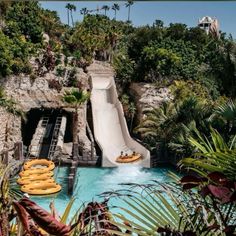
[(110, 128)]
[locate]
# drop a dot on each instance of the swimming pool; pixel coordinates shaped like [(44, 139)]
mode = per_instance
[(90, 182)]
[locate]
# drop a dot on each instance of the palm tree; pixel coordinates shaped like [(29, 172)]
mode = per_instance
[(105, 8), (227, 114), (84, 11), (68, 12), (8, 192), (75, 98), (115, 8), (168, 127), (212, 155), (157, 120), (166, 209), (129, 4), (70, 8)]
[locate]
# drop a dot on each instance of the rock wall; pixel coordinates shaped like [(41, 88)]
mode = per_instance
[(84, 141), (148, 96), (10, 130), (35, 93), (32, 94)]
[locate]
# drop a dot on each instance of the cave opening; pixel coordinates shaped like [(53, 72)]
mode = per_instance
[(31, 123)]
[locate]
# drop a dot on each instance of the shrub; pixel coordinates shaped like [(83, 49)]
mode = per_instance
[(33, 77), (57, 59), (60, 71), (6, 55), (72, 80), (27, 17), (48, 59), (55, 84)]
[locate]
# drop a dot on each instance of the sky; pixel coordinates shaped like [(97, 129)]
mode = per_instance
[(146, 12)]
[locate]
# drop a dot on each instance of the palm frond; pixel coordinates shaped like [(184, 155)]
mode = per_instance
[(162, 206), (212, 155)]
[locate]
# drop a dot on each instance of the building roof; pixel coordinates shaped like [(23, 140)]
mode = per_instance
[(206, 19)]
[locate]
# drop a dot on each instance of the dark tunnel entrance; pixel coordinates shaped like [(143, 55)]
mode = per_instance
[(52, 122), (30, 124), (48, 135)]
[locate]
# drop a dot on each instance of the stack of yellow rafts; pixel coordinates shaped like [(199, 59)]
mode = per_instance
[(37, 177)]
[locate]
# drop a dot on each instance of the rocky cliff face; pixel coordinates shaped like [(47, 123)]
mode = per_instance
[(35, 93), (148, 96), (10, 130)]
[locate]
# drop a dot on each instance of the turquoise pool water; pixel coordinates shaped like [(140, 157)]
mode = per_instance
[(90, 182)]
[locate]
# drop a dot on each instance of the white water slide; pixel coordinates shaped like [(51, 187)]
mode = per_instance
[(110, 127)]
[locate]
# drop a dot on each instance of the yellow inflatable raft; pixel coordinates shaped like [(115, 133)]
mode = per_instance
[(35, 177), (39, 162), (41, 188), (128, 159), (25, 181), (33, 172)]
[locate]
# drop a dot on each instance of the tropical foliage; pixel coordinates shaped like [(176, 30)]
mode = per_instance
[(176, 209), (21, 216), (10, 105), (192, 107), (199, 204), (212, 155), (202, 204), (178, 121), (154, 53), (198, 123), (75, 98)]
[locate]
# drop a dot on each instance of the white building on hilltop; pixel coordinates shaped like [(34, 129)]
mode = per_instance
[(210, 25)]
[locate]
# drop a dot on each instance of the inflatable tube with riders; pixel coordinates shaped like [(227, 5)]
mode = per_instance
[(128, 159), (42, 162), (41, 188)]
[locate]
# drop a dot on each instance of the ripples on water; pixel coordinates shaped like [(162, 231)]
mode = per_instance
[(90, 182)]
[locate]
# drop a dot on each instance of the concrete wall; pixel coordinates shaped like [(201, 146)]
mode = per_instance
[(34, 147), (62, 131)]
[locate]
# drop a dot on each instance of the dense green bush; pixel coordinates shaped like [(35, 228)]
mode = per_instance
[(26, 18), (6, 54), (20, 37), (176, 52)]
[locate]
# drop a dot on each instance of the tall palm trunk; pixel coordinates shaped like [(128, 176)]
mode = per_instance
[(75, 126), (75, 134), (115, 14), (72, 20), (129, 13), (68, 16)]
